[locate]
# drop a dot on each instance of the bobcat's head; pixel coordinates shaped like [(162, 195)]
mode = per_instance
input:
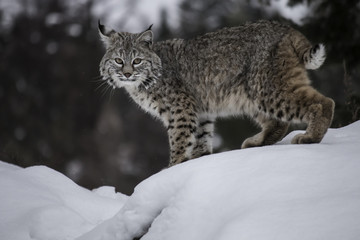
[(129, 59)]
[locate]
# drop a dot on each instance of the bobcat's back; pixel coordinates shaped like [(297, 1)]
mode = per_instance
[(231, 66)]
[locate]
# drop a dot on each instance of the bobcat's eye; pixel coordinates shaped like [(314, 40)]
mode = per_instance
[(137, 61), (119, 61)]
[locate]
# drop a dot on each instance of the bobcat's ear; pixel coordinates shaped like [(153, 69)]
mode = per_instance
[(105, 34), (146, 38)]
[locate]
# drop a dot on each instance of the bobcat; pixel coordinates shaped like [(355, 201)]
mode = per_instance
[(258, 69)]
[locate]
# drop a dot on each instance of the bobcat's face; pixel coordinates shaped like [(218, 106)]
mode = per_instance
[(129, 59)]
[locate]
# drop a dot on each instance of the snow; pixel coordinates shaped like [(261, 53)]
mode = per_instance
[(277, 192), (40, 203)]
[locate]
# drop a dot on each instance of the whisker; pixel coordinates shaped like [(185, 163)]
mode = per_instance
[(97, 78), (112, 90), (101, 85), (96, 81), (104, 90)]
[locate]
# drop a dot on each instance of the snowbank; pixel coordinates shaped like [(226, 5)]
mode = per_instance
[(277, 192), (40, 203)]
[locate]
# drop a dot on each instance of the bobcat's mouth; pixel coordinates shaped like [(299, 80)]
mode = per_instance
[(132, 78), (118, 81), (127, 80)]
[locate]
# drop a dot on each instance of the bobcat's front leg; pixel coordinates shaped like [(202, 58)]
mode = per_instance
[(182, 129), (204, 135)]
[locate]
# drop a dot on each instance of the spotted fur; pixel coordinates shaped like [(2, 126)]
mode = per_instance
[(258, 69)]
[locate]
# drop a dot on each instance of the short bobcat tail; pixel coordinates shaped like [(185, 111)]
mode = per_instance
[(314, 57)]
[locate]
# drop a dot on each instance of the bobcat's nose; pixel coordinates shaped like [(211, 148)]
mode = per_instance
[(127, 75)]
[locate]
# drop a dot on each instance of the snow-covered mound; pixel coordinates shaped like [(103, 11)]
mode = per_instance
[(40, 203), (277, 192)]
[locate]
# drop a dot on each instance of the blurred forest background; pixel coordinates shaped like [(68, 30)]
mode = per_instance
[(52, 112)]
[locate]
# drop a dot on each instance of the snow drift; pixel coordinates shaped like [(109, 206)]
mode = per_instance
[(277, 192)]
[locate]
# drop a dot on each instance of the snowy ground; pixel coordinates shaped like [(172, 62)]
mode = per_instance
[(278, 192)]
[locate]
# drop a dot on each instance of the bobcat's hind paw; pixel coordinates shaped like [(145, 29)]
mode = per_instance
[(251, 142), (304, 139)]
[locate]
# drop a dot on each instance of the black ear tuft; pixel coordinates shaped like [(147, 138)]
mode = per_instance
[(149, 28), (101, 27)]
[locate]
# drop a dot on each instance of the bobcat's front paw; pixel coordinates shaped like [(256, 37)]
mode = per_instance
[(304, 139)]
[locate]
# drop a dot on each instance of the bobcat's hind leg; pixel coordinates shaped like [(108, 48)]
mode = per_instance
[(317, 111), (273, 130), (204, 135)]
